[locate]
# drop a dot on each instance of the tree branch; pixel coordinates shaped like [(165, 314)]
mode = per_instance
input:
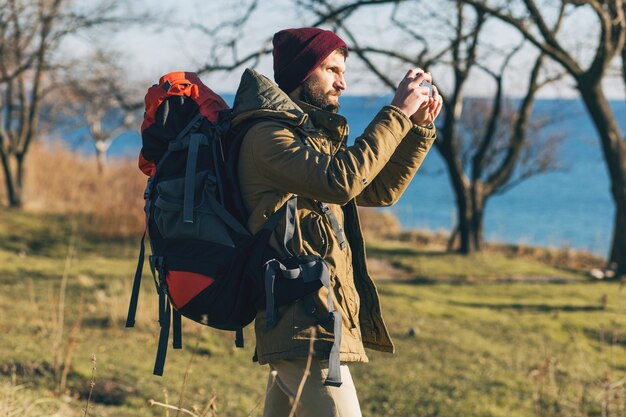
[(558, 54), (547, 34), (236, 23), (408, 29), (349, 8), (381, 76), (252, 57), (611, 39), (503, 173), (472, 50), (478, 161), (624, 58)]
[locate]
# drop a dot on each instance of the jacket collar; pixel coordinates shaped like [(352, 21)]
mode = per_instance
[(334, 125)]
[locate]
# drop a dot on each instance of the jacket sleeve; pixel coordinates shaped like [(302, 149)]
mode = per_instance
[(293, 167), (389, 185)]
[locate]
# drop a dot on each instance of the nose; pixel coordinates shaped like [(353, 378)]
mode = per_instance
[(340, 82)]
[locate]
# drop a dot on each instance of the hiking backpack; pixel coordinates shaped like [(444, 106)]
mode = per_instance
[(205, 263)]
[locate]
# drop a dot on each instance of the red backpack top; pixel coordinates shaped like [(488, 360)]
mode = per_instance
[(181, 84)]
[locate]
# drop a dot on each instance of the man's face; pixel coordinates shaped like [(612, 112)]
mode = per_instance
[(323, 87)]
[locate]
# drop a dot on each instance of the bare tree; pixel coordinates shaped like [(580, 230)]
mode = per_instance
[(31, 33), (26, 34), (487, 153), (99, 99), (531, 20)]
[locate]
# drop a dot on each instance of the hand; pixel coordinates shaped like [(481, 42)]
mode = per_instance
[(410, 97), (426, 115)]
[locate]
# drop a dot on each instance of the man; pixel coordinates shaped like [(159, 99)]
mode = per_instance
[(296, 146)]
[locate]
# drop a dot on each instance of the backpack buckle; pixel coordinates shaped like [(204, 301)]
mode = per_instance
[(148, 190), (157, 263)]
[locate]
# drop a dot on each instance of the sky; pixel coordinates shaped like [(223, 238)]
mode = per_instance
[(147, 52)]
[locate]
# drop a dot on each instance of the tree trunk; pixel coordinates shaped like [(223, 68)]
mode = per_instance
[(465, 229), (101, 158), (470, 220), (469, 203), (478, 206), (617, 260), (461, 186), (13, 182), (477, 230), (614, 151), (102, 145)]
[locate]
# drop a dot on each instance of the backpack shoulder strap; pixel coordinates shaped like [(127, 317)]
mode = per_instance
[(230, 141)]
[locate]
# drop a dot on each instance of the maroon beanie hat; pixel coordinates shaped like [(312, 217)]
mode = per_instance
[(298, 52)]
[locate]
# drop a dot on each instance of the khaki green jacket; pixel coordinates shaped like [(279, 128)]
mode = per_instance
[(293, 148)]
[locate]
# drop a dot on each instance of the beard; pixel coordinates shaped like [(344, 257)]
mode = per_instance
[(313, 93)]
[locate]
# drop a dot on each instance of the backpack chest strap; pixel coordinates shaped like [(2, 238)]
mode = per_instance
[(334, 223)]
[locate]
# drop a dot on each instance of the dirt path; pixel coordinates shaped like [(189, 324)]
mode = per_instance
[(380, 269)]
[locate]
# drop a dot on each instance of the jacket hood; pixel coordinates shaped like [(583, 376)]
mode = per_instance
[(257, 96)]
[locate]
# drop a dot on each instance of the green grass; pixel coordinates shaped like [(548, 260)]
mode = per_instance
[(427, 265), (469, 341), (483, 350)]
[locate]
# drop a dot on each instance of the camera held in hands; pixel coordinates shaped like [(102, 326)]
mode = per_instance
[(430, 87)]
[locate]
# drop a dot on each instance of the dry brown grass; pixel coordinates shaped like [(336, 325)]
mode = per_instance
[(379, 225), (564, 257), (61, 181), (22, 400)]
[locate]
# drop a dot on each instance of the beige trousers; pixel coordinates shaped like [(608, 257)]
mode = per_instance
[(316, 400)]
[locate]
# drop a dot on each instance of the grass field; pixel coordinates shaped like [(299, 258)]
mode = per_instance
[(488, 335)]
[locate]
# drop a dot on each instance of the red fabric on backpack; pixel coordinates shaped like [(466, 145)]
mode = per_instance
[(146, 166), (179, 84), (183, 286)]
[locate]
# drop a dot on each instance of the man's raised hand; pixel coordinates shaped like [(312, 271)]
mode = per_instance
[(426, 115), (410, 97)]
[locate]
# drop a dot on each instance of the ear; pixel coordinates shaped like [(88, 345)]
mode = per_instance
[(295, 93)]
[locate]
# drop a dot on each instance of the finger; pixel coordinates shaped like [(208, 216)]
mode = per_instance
[(435, 91), (418, 89), (434, 108), (436, 97), (432, 105), (413, 72), (438, 108), (409, 76), (423, 100), (420, 78)]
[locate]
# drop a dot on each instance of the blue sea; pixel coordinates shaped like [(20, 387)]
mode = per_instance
[(571, 207)]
